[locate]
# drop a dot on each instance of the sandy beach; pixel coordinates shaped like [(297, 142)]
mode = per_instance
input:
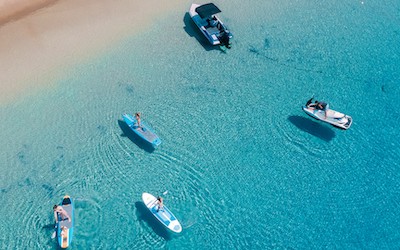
[(38, 38), (16, 9)]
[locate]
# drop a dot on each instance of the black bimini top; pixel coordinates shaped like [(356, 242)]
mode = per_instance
[(207, 10)]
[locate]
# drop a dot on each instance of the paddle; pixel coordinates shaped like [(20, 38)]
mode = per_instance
[(55, 232)]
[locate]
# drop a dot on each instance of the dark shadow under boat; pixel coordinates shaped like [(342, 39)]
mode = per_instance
[(193, 31), (127, 132), (312, 127)]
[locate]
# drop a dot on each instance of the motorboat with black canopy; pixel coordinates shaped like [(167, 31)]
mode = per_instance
[(205, 18), (207, 10)]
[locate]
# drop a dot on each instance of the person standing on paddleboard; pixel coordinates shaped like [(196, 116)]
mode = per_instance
[(160, 202), (137, 116)]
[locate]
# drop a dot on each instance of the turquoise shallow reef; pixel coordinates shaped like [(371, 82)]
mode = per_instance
[(244, 166)]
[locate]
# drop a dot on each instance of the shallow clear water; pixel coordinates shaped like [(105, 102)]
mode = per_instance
[(244, 167)]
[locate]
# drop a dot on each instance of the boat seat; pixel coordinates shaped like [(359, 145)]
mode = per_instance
[(334, 114), (213, 30), (203, 22)]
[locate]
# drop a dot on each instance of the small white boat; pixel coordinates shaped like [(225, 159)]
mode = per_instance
[(164, 215), (209, 24), (330, 116)]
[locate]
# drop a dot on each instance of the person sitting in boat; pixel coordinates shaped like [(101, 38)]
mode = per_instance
[(220, 27), (320, 106), (160, 202), (212, 22), (137, 116), (59, 210)]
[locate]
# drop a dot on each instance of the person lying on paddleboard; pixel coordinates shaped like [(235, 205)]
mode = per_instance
[(160, 202), (320, 106), (60, 210)]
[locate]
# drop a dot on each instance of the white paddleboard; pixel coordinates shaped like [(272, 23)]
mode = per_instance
[(165, 216)]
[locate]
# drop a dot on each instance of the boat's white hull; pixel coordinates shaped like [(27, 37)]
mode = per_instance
[(333, 117), (211, 33)]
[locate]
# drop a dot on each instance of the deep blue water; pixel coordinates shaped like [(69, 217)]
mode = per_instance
[(244, 167)]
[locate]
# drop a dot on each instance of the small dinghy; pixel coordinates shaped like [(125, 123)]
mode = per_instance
[(209, 24), (65, 227), (164, 215), (322, 112), (144, 131)]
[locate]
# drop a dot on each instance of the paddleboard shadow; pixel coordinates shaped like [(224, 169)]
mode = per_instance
[(314, 128), (127, 132), (145, 215)]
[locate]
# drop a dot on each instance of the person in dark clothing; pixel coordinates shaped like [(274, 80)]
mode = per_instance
[(160, 202), (224, 39), (320, 106)]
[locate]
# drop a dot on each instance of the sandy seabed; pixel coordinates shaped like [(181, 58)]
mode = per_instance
[(39, 37)]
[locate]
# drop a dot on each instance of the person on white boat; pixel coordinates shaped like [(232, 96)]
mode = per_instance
[(320, 106), (60, 210), (212, 22), (137, 116), (160, 202), (220, 27)]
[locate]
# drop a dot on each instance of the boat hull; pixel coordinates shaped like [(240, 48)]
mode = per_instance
[(211, 33), (144, 131), (65, 238), (165, 216), (333, 117)]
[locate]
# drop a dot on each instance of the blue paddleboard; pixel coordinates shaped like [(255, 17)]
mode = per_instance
[(65, 227), (144, 131)]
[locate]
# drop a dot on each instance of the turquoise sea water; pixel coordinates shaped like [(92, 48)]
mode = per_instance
[(244, 167)]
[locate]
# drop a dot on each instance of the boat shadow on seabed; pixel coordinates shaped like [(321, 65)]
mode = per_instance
[(145, 215), (127, 132), (192, 30), (312, 127)]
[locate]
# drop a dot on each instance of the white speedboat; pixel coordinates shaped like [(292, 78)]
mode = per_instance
[(209, 24), (327, 115)]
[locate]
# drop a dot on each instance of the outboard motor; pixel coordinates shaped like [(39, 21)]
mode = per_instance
[(224, 39)]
